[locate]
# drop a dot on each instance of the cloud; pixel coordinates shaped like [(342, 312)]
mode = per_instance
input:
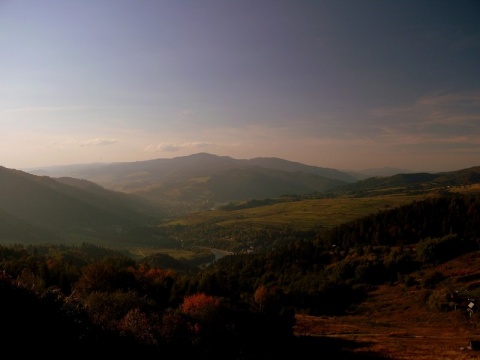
[(174, 147), (439, 114), (98, 142)]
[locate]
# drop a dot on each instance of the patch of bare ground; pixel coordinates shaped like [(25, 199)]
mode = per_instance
[(397, 322)]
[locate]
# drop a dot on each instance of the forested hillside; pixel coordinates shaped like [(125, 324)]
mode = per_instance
[(39, 208), (241, 306), (409, 183)]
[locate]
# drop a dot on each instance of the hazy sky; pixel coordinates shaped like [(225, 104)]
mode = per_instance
[(340, 84)]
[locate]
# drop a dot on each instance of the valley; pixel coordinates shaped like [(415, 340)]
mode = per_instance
[(365, 268)]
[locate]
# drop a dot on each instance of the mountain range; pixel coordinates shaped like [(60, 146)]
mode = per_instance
[(202, 181), (107, 201), (412, 268)]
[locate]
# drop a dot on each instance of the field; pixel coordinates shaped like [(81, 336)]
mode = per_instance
[(311, 214), (142, 252), (302, 214)]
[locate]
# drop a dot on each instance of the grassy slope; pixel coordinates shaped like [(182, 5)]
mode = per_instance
[(302, 215), (396, 323)]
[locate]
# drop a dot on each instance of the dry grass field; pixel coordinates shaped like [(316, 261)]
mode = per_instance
[(397, 323), (302, 215)]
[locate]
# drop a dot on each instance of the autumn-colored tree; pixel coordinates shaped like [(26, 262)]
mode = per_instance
[(27, 279), (209, 322), (104, 276), (138, 325), (109, 308), (155, 283), (267, 299), (201, 306), (261, 297)]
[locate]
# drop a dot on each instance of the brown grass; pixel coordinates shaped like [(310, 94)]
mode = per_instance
[(397, 323), (302, 215)]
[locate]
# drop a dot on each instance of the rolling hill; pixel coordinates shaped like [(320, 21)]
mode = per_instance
[(202, 181), (382, 282), (39, 208), (70, 206), (409, 183)]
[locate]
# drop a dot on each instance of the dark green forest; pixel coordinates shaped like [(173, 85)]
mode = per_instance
[(92, 299)]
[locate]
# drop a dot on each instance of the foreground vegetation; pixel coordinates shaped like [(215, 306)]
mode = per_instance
[(243, 306)]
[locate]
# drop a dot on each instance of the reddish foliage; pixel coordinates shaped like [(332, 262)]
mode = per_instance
[(201, 306)]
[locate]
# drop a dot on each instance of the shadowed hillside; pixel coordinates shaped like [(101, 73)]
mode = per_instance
[(33, 206)]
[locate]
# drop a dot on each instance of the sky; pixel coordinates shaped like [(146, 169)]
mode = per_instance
[(348, 85)]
